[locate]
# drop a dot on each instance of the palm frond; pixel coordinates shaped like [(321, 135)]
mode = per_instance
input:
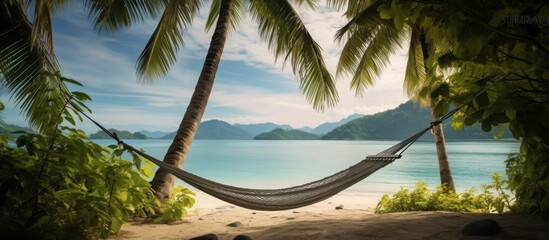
[(387, 40), (370, 42), (161, 50), (25, 71), (358, 32), (309, 3), (281, 27), (352, 8), (415, 67), (42, 34), (237, 11), (112, 15)]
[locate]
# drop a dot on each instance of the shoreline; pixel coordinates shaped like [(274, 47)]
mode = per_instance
[(356, 220)]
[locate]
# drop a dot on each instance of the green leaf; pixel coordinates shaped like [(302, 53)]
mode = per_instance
[(385, 13), (445, 61), (486, 126), (442, 90), (511, 113), (68, 80), (136, 160), (123, 196), (474, 45), (21, 141), (116, 224), (399, 21), (81, 96), (70, 119), (118, 152), (147, 171), (482, 100)]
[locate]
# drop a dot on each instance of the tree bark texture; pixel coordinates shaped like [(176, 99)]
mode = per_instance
[(163, 181), (443, 163)]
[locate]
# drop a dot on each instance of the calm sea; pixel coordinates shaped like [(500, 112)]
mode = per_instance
[(275, 164)]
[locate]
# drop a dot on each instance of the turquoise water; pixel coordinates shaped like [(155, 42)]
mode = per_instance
[(274, 164)]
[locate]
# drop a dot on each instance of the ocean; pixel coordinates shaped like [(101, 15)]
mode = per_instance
[(276, 164)]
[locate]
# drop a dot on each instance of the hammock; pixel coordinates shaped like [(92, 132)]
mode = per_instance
[(297, 196), (284, 198)]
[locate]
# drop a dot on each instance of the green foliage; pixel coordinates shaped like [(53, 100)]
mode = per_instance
[(174, 208), (47, 189), (480, 44), (61, 185), (492, 198), (281, 134)]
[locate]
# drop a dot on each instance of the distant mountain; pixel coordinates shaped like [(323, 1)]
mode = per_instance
[(15, 128), (217, 130), (329, 126), (306, 129), (255, 129), (281, 134), (122, 134), (400, 123), (154, 134)]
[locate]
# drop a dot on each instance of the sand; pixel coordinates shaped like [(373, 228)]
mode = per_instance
[(322, 221)]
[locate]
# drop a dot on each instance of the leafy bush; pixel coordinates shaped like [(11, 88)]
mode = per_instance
[(56, 185), (174, 208), (492, 198)]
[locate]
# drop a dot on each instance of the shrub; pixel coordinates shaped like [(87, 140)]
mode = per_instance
[(492, 198), (53, 185)]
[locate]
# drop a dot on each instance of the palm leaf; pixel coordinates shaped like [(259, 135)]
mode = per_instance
[(358, 32), (237, 11), (25, 68), (281, 27), (42, 34), (415, 67), (352, 8), (376, 56), (370, 42), (110, 16), (161, 49), (309, 3)]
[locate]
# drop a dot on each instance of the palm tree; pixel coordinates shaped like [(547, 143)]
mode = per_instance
[(371, 39), (278, 22), (280, 25)]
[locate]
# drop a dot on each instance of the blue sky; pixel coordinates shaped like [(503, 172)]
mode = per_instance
[(250, 86)]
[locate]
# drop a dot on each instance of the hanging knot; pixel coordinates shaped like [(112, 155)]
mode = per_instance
[(118, 141), (434, 123)]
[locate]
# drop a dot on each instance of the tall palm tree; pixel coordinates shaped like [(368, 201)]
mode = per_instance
[(280, 25), (278, 22), (371, 39)]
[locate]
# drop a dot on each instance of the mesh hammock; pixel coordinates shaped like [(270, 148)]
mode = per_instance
[(297, 196), (292, 197)]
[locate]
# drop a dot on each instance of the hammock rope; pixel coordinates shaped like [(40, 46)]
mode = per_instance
[(291, 197)]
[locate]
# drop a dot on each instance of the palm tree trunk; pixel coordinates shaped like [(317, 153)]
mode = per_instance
[(163, 181), (443, 163)]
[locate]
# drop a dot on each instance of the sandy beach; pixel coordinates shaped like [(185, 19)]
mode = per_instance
[(356, 220)]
